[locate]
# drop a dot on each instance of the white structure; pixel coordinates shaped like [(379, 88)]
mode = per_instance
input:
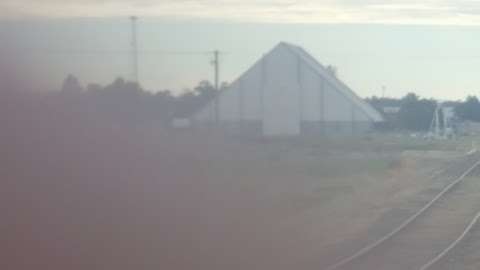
[(288, 92), (442, 126), (391, 109)]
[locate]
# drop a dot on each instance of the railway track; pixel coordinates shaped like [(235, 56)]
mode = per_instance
[(421, 241), (465, 253)]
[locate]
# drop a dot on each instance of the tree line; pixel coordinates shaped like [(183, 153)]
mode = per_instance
[(414, 113), (127, 103)]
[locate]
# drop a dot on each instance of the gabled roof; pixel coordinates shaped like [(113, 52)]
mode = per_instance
[(322, 71), (339, 85)]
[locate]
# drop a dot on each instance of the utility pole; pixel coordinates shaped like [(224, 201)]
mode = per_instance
[(134, 44), (217, 101)]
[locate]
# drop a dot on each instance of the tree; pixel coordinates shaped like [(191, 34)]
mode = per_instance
[(93, 87), (124, 103), (391, 118), (416, 114), (469, 110), (71, 85), (205, 91), (191, 101)]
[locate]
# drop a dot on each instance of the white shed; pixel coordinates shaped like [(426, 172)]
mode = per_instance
[(287, 92)]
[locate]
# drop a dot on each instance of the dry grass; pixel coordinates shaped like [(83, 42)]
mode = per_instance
[(78, 194)]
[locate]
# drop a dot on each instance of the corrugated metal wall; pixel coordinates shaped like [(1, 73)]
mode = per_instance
[(287, 97)]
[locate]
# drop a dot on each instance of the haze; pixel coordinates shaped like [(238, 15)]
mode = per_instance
[(304, 11), (368, 160), (429, 48)]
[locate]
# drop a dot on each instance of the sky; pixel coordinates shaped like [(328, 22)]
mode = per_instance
[(292, 11), (429, 47)]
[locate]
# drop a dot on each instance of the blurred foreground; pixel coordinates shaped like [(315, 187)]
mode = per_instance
[(81, 193)]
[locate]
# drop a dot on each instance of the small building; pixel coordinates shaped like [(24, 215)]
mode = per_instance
[(391, 110), (287, 92)]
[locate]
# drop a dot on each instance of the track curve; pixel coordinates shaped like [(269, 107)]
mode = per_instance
[(403, 247)]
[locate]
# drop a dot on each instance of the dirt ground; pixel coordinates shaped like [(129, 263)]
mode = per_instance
[(194, 203), (83, 195), (305, 200), (466, 255)]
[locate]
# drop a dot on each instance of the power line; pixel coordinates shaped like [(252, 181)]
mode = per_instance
[(98, 51), (209, 52)]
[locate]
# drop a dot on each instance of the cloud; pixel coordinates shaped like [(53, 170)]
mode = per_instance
[(293, 11)]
